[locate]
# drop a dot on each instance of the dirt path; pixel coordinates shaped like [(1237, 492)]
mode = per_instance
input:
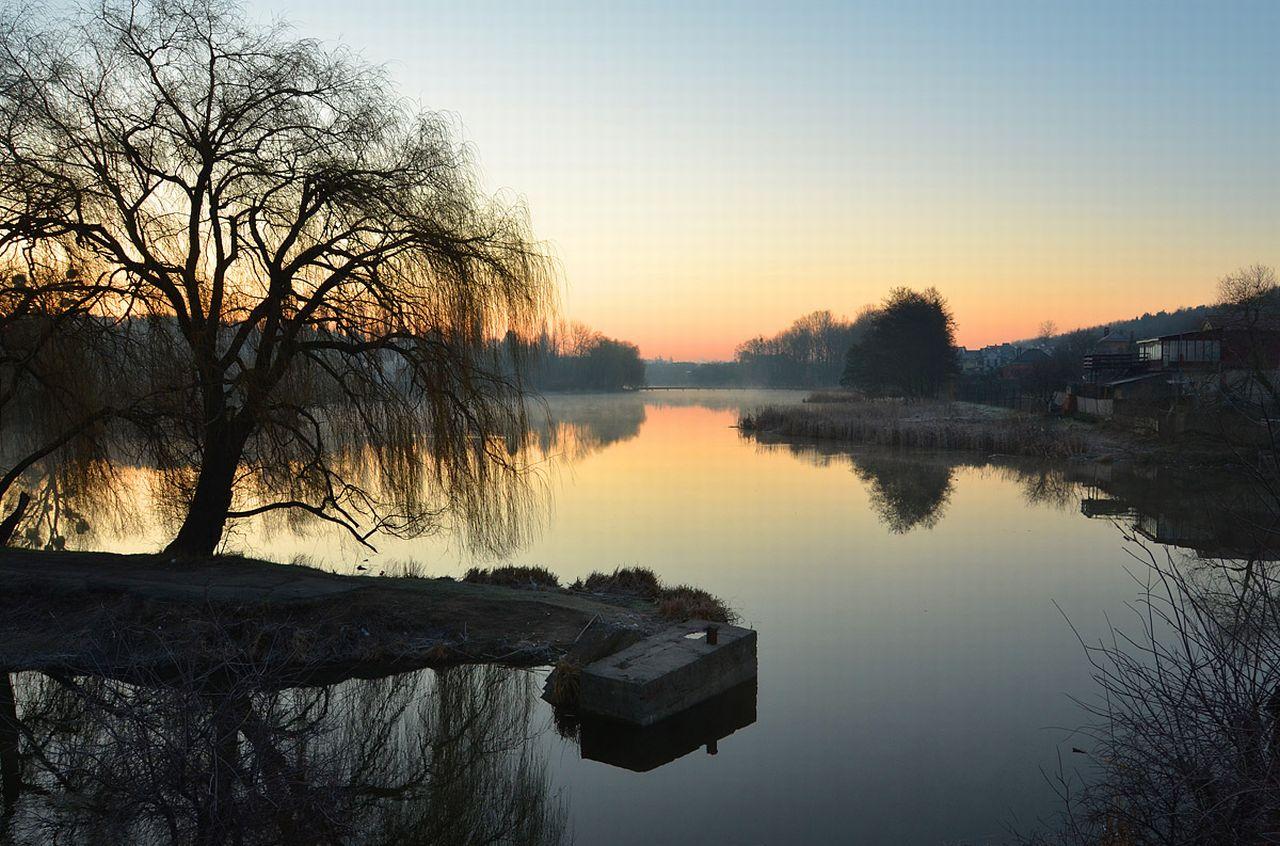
[(106, 613)]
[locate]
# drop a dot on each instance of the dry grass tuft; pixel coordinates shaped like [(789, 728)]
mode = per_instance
[(513, 576), (630, 581), (407, 569), (690, 603), (563, 682), (674, 603)]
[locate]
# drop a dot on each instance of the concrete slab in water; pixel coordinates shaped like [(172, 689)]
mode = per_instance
[(667, 673)]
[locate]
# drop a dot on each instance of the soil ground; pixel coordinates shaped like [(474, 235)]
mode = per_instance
[(119, 614)]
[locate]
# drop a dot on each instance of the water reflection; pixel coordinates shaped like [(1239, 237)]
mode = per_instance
[(219, 756), (1214, 516), (1211, 517), (575, 426), (906, 495), (916, 695), (643, 749)]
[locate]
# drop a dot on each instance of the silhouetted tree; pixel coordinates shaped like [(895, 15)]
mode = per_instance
[(1248, 312), (315, 260), (909, 348)]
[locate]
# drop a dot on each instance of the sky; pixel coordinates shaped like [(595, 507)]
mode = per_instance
[(706, 172)]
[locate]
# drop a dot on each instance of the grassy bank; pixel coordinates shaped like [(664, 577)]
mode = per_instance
[(928, 424), (120, 615), (674, 603)]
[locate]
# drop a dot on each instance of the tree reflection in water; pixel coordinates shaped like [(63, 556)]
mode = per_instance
[(908, 494), (219, 756), (906, 490)]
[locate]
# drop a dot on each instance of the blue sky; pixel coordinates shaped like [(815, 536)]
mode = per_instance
[(708, 171)]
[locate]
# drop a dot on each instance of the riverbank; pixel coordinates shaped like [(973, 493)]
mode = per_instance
[(984, 429), (126, 615)]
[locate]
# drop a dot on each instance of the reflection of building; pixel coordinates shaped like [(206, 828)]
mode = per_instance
[(1213, 524)]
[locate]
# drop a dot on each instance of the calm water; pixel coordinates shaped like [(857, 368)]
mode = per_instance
[(915, 670)]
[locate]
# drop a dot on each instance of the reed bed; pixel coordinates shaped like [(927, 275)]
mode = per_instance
[(933, 425)]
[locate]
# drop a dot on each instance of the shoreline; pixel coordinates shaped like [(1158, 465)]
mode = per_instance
[(141, 616), (956, 426)]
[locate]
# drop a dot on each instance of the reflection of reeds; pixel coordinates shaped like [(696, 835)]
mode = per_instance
[(919, 425)]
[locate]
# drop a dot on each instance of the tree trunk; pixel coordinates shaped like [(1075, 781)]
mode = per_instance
[(207, 513), (10, 523), (10, 762)]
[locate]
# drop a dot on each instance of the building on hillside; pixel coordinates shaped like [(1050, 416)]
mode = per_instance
[(1203, 370), (995, 356), (1210, 365), (1112, 357), (1026, 363), (970, 361)]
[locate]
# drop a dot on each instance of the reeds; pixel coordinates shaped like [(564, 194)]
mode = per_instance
[(933, 425)]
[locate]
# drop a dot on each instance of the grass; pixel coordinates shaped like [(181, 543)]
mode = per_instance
[(406, 569), (681, 602), (926, 424), (630, 581), (513, 576)]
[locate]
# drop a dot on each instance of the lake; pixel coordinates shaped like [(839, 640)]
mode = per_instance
[(916, 664)]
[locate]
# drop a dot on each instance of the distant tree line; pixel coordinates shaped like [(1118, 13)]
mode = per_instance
[(1147, 325), (578, 358), (809, 353), (880, 350), (694, 374)]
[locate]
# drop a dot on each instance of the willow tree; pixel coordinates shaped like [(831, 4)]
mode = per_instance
[(56, 396), (312, 266)]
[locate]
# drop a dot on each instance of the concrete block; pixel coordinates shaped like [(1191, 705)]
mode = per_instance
[(668, 672)]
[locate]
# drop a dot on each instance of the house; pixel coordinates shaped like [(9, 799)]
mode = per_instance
[(1027, 363), (1213, 363), (1222, 349), (995, 356), (971, 361), (1112, 357)]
